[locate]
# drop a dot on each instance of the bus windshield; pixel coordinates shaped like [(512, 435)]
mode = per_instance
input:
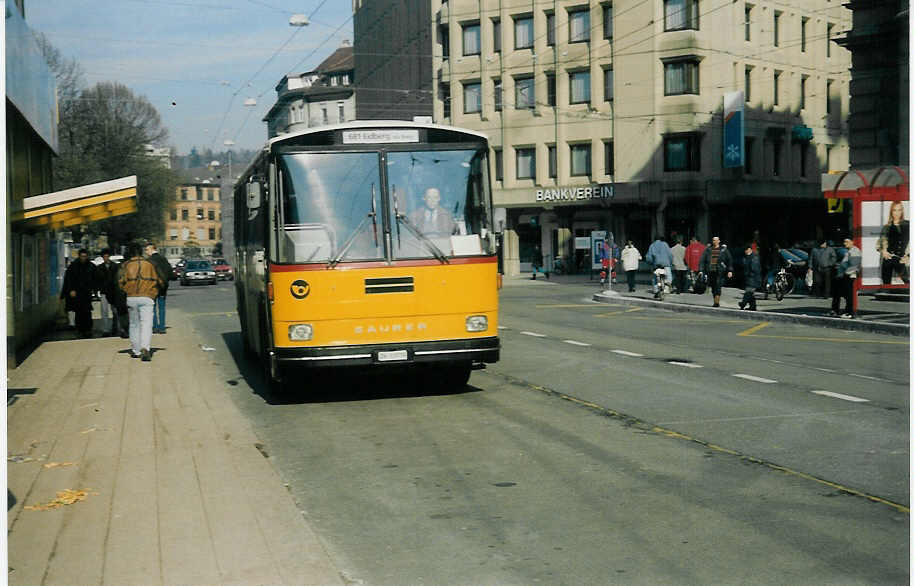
[(438, 203), (328, 207)]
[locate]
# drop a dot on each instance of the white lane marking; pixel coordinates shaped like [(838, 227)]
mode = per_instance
[(534, 334), (882, 380), (576, 343), (842, 397), (627, 353), (757, 379), (826, 369), (502, 327), (686, 364)]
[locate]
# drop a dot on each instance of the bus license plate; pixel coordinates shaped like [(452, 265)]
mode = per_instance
[(393, 355)]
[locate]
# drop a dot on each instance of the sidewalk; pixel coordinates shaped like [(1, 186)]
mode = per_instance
[(165, 481), (875, 313)]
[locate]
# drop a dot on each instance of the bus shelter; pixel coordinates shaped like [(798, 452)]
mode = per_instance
[(870, 194)]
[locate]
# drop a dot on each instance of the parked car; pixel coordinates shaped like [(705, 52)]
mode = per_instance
[(198, 271), (223, 270), (178, 269)]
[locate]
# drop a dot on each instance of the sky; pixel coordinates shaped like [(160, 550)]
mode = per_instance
[(196, 61)]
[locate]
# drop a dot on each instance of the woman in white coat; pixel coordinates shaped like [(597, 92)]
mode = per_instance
[(630, 259)]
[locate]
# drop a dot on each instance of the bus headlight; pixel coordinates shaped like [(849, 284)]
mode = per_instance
[(477, 323), (301, 332)]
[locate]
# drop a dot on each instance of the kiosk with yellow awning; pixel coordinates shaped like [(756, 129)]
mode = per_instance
[(79, 205)]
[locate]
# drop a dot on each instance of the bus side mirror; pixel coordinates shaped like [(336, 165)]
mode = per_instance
[(254, 195)]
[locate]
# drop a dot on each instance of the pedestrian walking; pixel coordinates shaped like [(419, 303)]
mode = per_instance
[(752, 275), (537, 262), (660, 256), (680, 268), (630, 259), (110, 296), (822, 261), (78, 286), (846, 273), (716, 262), (167, 273), (141, 282), (693, 257)]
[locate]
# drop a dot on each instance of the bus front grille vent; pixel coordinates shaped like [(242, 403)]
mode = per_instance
[(389, 285)]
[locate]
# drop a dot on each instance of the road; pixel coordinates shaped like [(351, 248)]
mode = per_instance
[(611, 444)]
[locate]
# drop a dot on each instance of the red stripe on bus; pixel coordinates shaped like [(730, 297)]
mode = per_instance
[(275, 268)]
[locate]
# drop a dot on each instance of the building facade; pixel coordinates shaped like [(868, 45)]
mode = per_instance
[(194, 221), (315, 98), (609, 115), (393, 58)]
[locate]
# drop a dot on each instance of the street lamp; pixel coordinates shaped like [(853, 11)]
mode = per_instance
[(299, 20), (229, 143)]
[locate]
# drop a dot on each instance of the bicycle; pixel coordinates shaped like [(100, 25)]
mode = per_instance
[(662, 284), (782, 285)]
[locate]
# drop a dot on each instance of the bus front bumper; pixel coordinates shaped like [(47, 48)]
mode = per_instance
[(475, 350)]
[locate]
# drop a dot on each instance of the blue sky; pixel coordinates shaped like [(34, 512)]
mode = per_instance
[(197, 61)]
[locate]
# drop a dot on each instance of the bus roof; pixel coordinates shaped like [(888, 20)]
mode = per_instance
[(372, 124)]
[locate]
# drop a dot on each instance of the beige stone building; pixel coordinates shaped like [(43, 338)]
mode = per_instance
[(609, 115), (195, 219)]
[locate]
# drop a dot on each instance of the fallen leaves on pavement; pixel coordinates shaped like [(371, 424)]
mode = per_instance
[(59, 464), (64, 497)]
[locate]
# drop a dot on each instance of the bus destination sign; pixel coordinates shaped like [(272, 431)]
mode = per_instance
[(380, 136)]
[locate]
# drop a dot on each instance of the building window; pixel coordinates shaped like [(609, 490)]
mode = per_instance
[(829, 32), (680, 15), (199, 194), (324, 116), (777, 28), (345, 79), (804, 157), (776, 158), (184, 214), (550, 89), (444, 90), (748, 143), (828, 148), (445, 38), (609, 158), (803, 25), (747, 82), (472, 97), (173, 234), (524, 94), (579, 87), (580, 160), (550, 29), (341, 112), (184, 193), (212, 233), (499, 165), (526, 163), (498, 92), (777, 87), (199, 213), (553, 163), (803, 82), (747, 28), (174, 214), (682, 152), (680, 77), (210, 195), (185, 234), (496, 35), (201, 234), (210, 214), (471, 39), (608, 84), (579, 26), (523, 32), (607, 21)]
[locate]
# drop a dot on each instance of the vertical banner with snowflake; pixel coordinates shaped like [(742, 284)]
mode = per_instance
[(734, 130)]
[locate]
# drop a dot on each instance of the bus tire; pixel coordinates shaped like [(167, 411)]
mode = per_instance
[(457, 376)]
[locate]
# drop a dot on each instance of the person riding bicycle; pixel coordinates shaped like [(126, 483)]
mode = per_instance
[(658, 256)]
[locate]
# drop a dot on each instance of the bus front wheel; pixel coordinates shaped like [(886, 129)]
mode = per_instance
[(457, 376)]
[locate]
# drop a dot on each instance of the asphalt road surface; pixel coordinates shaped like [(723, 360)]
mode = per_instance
[(611, 445)]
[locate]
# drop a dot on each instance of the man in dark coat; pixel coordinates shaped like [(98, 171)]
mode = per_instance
[(717, 264), (163, 267), (113, 300), (752, 273), (78, 285)]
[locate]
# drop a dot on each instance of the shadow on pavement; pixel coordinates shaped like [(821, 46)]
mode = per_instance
[(333, 385)]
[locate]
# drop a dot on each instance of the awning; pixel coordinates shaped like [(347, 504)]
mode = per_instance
[(79, 205)]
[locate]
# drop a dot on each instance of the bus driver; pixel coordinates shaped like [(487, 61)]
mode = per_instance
[(432, 219)]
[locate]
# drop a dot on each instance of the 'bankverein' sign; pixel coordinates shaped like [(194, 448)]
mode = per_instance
[(561, 194)]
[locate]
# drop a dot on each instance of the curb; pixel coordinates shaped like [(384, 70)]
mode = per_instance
[(857, 325)]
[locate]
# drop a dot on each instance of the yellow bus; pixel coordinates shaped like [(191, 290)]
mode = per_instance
[(370, 245)]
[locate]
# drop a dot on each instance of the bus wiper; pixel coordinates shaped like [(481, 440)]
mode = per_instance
[(372, 215), (422, 237)]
